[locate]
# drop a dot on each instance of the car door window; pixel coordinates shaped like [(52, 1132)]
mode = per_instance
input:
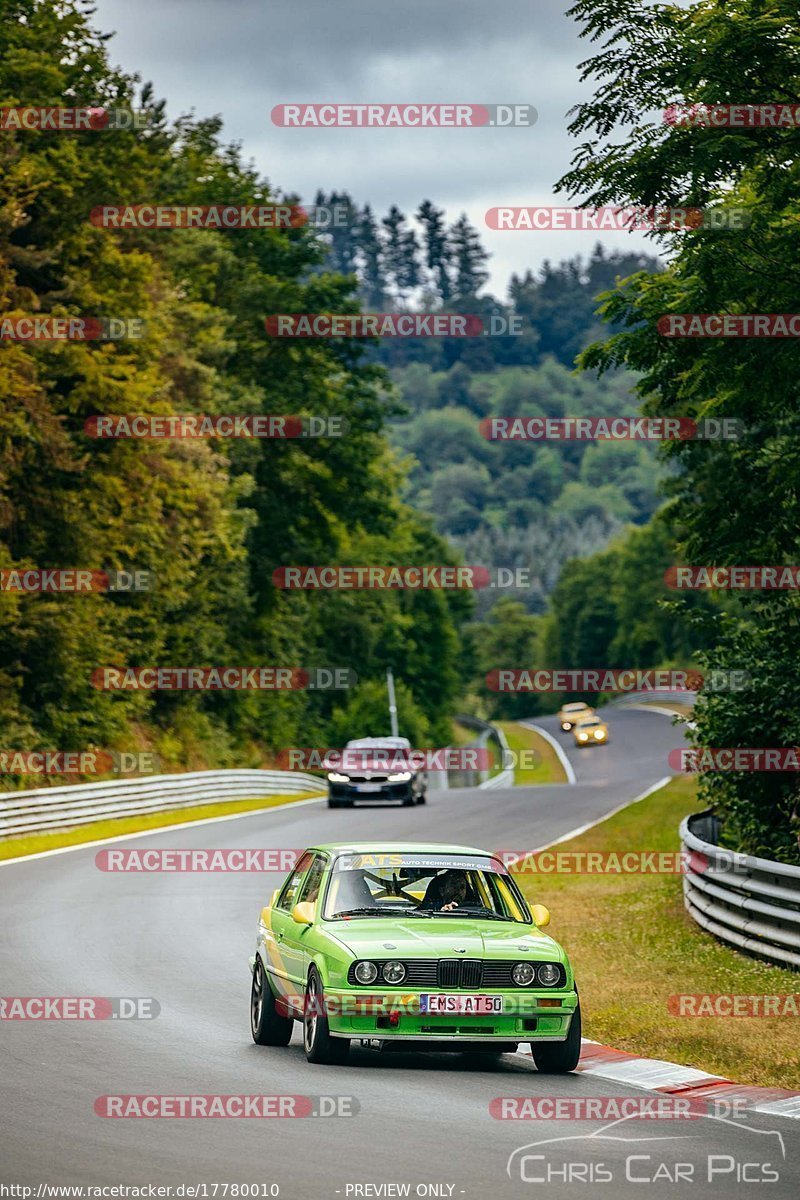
[(313, 881), (287, 898)]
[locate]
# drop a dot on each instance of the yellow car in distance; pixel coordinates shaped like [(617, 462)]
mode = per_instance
[(569, 714), (591, 731)]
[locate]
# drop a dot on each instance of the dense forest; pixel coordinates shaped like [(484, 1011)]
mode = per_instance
[(413, 481), (731, 501), (530, 506), (210, 521)]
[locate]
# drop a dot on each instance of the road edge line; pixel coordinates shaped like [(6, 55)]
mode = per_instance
[(591, 824), (569, 770)]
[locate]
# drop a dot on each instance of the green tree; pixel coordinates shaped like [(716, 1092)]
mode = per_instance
[(506, 640), (438, 252), (371, 256), (366, 714), (211, 520), (469, 258), (734, 501), (400, 253)]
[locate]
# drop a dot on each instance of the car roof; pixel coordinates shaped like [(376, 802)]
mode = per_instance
[(575, 705), (382, 743), (399, 848), (593, 720)]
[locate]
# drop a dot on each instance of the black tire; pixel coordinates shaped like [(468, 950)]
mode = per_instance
[(267, 1025), (558, 1058), (409, 801), (318, 1044), (422, 798)]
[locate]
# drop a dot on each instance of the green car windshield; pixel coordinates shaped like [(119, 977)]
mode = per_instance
[(381, 884)]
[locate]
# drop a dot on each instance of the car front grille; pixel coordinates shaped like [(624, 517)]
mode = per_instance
[(454, 974)]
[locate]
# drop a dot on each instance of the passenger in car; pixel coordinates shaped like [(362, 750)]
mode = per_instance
[(445, 892)]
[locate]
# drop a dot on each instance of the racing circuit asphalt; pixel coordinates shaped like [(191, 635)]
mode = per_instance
[(70, 929)]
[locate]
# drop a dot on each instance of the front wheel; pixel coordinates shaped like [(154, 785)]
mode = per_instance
[(318, 1044), (267, 1026), (557, 1058)]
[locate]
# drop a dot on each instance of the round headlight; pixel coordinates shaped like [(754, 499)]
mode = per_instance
[(549, 974), (523, 974), (366, 972), (394, 972)]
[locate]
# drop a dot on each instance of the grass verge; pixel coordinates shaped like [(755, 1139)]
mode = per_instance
[(35, 843), (633, 945), (548, 768)]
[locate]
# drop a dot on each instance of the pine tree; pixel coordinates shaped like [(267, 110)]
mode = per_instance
[(469, 257), (370, 252), (401, 253), (438, 255)]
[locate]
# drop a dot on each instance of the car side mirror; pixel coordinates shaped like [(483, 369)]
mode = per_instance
[(303, 914), (541, 915)]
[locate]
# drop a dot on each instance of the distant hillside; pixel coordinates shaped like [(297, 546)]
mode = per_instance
[(532, 505)]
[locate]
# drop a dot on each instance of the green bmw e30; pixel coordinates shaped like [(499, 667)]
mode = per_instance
[(411, 946)]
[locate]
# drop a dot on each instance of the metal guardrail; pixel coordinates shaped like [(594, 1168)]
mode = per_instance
[(504, 778), (750, 903), (77, 804)]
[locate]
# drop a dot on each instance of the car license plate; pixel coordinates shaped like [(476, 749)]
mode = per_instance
[(368, 787), (477, 1005)]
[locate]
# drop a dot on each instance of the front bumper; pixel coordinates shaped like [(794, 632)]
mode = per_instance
[(350, 793), (525, 1018)]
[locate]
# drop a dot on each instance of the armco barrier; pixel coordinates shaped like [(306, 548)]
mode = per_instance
[(750, 903), (504, 778), (59, 807)]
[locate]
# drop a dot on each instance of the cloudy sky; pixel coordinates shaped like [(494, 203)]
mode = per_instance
[(239, 58)]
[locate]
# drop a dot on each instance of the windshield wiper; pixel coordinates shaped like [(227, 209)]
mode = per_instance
[(481, 914), (363, 912)]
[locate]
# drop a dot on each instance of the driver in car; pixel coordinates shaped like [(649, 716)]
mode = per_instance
[(445, 892)]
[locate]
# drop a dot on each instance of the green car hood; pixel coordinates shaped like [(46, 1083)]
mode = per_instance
[(432, 937)]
